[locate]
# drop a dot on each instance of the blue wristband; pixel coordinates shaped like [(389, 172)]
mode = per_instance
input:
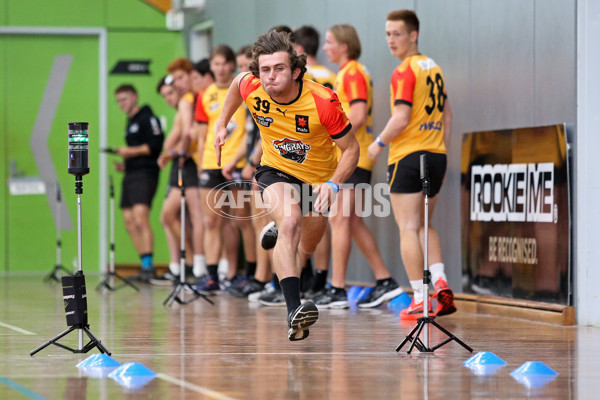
[(379, 142), (334, 186)]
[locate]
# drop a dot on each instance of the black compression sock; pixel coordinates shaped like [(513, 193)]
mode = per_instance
[(291, 291), (250, 268), (213, 270), (320, 280), (276, 282)]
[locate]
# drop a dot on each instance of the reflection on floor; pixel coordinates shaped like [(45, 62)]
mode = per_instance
[(240, 350)]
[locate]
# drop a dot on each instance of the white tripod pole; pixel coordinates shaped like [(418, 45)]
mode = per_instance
[(426, 274)]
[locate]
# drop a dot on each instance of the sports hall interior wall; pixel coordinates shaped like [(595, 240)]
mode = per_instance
[(135, 31), (507, 64)]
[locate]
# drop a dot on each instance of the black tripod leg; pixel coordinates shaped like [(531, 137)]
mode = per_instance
[(197, 295), (53, 340), (451, 336), (173, 296), (127, 282), (407, 338), (94, 342), (416, 341), (104, 284)]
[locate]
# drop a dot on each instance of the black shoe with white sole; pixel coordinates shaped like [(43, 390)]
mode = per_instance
[(268, 236), (300, 319), (381, 293)]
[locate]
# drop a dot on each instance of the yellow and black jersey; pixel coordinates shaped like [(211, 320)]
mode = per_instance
[(320, 74), (297, 138), (353, 84), (419, 83), (208, 110)]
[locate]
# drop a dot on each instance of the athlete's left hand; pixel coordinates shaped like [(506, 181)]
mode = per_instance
[(325, 198), (374, 150), (220, 135)]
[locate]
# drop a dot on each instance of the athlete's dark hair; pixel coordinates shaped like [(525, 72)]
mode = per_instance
[(286, 29), (244, 50), (274, 42), (411, 21), (166, 80), (126, 88), (203, 67), (224, 51), (308, 37)]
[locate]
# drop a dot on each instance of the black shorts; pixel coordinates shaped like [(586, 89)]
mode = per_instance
[(266, 176), (360, 175), (405, 175), (211, 178), (138, 187), (190, 173)]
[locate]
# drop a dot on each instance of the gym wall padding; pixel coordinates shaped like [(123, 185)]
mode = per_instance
[(135, 31)]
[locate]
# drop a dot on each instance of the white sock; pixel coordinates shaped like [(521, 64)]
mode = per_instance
[(199, 265), (417, 287), (437, 272), (223, 266), (174, 268)]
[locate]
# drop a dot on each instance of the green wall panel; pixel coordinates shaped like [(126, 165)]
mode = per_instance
[(160, 49), (56, 13), (133, 14), (31, 228), (3, 13), (4, 162)]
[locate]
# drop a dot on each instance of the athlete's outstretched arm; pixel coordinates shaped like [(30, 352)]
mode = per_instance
[(394, 127), (346, 166), (230, 106)]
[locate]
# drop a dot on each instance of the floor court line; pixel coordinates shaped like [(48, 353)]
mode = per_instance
[(30, 394), (366, 353), (16, 328), (198, 389)]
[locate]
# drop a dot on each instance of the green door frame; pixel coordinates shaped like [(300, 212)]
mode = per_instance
[(102, 35)]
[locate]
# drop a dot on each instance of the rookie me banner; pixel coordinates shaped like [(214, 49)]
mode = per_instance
[(515, 213)]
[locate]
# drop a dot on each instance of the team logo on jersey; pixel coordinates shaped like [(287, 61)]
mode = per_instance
[(261, 120), (134, 128), (292, 149), (302, 123)]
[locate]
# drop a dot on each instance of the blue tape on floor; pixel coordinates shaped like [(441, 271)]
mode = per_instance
[(21, 389)]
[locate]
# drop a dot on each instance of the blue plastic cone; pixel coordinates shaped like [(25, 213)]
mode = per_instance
[(534, 381), (399, 303), (484, 357), (132, 375), (484, 363), (98, 361), (534, 368), (534, 374), (353, 293), (364, 293)]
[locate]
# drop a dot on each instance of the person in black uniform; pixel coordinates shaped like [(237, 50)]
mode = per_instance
[(144, 138)]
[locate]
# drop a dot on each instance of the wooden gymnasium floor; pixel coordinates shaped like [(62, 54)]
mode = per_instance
[(238, 350)]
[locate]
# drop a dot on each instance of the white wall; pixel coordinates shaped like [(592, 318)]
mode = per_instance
[(507, 64)]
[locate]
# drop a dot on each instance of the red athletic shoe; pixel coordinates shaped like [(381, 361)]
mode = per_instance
[(415, 311), (445, 298)]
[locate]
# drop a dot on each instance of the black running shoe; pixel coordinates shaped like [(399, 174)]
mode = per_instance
[(272, 299), (332, 298), (300, 319), (268, 236), (381, 293), (167, 279), (251, 286)]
